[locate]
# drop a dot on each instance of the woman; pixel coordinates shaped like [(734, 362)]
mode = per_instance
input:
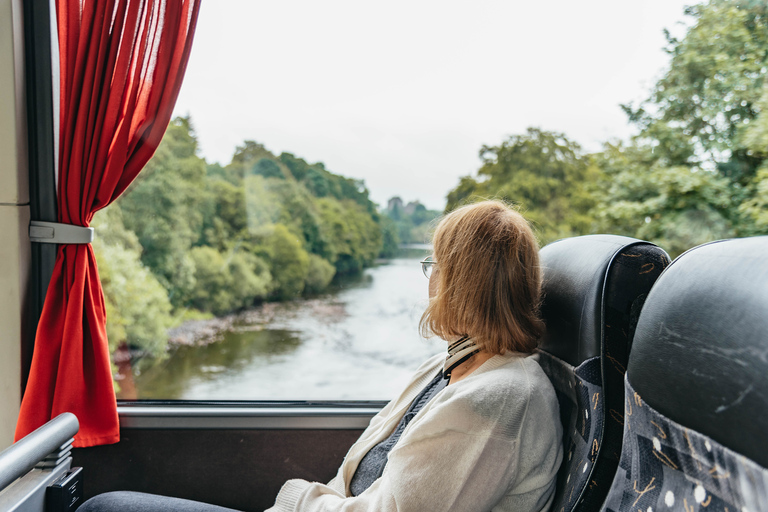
[(476, 430)]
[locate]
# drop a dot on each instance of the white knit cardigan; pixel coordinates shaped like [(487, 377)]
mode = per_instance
[(490, 442)]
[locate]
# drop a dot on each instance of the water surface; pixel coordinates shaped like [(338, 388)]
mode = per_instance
[(359, 342)]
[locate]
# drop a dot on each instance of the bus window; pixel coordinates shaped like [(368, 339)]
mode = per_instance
[(271, 248)]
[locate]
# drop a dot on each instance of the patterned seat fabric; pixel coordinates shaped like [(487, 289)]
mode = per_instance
[(579, 392), (594, 288), (665, 466), (696, 392)]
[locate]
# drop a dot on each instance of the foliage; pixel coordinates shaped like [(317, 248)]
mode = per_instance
[(262, 227), (164, 208), (213, 238), (190, 239), (322, 183), (696, 171), (693, 173), (676, 207), (390, 240), (226, 282), (411, 223), (138, 309), (354, 238), (297, 209), (224, 213), (755, 209), (544, 173), (710, 94), (319, 274), (289, 262)]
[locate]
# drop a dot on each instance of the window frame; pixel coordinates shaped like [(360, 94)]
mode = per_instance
[(41, 62)]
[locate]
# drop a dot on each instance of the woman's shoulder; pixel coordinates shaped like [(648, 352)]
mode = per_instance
[(522, 375), (506, 390), (513, 371)]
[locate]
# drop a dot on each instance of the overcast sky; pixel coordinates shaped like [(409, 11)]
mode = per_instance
[(403, 94)]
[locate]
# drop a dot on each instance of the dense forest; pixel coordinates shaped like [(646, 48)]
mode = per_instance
[(413, 222), (191, 239), (696, 170)]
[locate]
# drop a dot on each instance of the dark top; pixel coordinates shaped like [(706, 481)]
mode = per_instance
[(372, 464)]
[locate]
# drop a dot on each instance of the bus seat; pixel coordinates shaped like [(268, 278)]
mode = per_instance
[(594, 287), (696, 391), (41, 458)]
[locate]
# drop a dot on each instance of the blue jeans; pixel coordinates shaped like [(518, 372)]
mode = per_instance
[(129, 501)]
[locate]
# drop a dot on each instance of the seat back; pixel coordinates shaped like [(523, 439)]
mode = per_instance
[(697, 386), (594, 287)]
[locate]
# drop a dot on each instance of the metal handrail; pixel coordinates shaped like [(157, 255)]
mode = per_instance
[(20, 457)]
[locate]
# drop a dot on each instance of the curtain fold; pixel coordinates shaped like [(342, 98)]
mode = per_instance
[(121, 67)]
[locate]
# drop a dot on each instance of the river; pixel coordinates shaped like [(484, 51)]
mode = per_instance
[(358, 342)]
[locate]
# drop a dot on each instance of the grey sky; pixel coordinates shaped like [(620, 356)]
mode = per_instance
[(403, 93)]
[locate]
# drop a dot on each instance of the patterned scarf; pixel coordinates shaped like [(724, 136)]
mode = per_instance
[(458, 352)]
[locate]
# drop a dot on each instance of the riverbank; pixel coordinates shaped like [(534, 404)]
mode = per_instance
[(204, 332), (357, 341)]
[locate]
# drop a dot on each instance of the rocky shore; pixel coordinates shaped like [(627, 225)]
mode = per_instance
[(205, 332)]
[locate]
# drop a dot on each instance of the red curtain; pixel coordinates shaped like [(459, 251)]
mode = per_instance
[(121, 67)]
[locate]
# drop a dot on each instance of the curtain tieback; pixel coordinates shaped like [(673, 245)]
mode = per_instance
[(58, 233)]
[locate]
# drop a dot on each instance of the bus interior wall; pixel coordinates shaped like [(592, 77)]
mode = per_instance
[(240, 469), (15, 252)]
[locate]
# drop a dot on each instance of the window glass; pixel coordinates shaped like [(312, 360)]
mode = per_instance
[(270, 249)]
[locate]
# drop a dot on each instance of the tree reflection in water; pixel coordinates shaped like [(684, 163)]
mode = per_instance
[(187, 365)]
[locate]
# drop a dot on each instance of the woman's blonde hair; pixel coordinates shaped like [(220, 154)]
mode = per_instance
[(488, 279)]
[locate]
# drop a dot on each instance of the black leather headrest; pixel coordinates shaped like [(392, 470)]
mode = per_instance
[(578, 275), (700, 354)]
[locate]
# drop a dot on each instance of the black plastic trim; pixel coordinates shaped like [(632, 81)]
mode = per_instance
[(38, 57), (351, 404)]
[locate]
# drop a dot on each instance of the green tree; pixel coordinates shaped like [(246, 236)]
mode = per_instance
[(138, 309), (390, 240), (268, 168), (262, 204), (354, 237), (225, 214), (227, 282), (411, 224), (298, 212), (317, 182), (675, 207), (254, 158), (322, 183), (702, 106), (299, 167), (289, 262), (219, 238), (164, 207), (754, 210), (694, 172), (544, 173), (319, 274)]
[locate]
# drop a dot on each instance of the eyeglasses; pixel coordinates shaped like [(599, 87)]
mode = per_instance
[(426, 266)]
